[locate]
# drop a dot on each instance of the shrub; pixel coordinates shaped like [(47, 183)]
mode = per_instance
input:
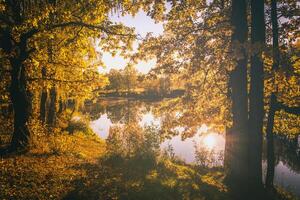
[(79, 125), (132, 141)]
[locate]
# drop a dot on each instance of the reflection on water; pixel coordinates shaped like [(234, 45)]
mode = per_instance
[(101, 126), (287, 170), (186, 150), (287, 177)]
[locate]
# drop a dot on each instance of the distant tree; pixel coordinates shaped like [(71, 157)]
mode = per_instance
[(164, 85), (115, 80), (151, 85), (130, 76)]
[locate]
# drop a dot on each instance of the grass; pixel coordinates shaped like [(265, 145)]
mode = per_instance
[(80, 166), (81, 169), (135, 179)]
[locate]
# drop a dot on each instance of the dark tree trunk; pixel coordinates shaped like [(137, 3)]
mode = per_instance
[(19, 97), (18, 53), (273, 100), (60, 106), (64, 105), (44, 97), (236, 158), (275, 35), (21, 104), (270, 143), (228, 154), (43, 103), (52, 107), (256, 96)]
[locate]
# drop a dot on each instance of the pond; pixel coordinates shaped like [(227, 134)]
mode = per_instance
[(109, 113)]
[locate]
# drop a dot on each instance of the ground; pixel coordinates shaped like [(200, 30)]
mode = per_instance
[(48, 172), (78, 167)]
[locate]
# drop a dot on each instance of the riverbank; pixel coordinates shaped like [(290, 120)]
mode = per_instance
[(141, 95), (79, 167)]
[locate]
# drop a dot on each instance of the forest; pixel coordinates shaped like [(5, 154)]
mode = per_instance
[(150, 99)]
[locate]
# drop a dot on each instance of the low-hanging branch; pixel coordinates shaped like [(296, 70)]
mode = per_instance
[(61, 80), (89, 26), (109, 29), (105, 29), (289, 109)]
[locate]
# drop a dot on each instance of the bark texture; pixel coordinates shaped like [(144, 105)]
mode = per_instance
[(256, 95), (236, 136), (273, 100)]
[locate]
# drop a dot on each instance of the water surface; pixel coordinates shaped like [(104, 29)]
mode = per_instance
[(287, 170)]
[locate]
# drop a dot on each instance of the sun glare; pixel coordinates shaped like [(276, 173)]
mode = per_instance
[(209, 141)]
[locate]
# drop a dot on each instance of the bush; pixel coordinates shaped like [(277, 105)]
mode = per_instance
[(208, 158), (132, 141), (80, 125)]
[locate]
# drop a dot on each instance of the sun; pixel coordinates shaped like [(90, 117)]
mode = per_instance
[(209, 141)]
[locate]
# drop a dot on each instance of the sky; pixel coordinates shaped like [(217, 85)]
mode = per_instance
[(142, 24)]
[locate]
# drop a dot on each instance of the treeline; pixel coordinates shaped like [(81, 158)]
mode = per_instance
[(130, 83)]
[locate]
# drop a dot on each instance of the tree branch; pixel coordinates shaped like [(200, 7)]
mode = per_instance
[(33, 31), (61, 81), (292, 110), (89, 26)]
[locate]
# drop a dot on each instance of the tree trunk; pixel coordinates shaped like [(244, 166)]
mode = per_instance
[(52, 107), (256, 96), (43, 103), (65, 105), (19, 97), (270, 143), (18, 52), (275, 35), (44, 97), (273, 100), (21, 105), (237, 167), (60, 106)]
